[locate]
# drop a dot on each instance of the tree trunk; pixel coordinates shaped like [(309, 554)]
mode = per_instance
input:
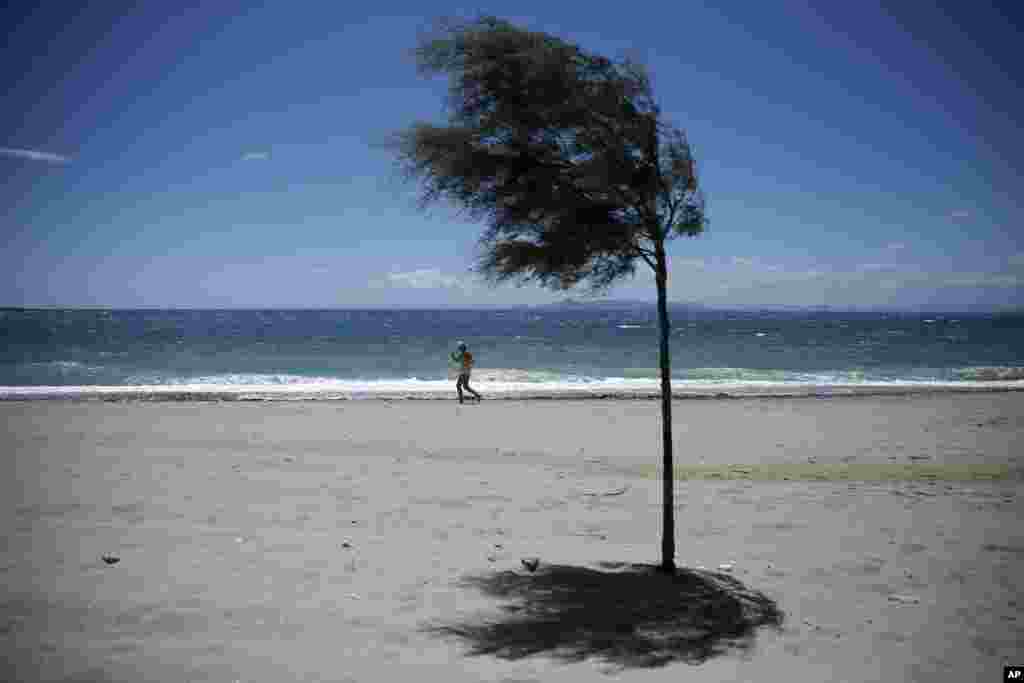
[(668, 529)]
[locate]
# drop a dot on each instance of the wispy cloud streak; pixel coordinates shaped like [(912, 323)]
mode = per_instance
[(34, 155), (426, 278)]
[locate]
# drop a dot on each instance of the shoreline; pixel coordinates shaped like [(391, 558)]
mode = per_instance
[(442, 391)]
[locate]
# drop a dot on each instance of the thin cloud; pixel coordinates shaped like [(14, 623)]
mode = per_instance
[(896, 245), (984, 280), (425, 278), (960, 214), (34, 155), (899, 276), (748, 262), (255, 156)]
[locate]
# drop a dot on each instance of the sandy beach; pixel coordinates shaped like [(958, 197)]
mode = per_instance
[(862, 538)]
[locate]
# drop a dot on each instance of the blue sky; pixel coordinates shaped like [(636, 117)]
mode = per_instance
[(226, 154)]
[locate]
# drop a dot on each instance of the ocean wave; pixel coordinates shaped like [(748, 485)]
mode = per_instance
[(610, 388), (514, 375), (738, 374), (485, 375), (732, 375), (772, 375), (990, 374), (541, 379), (251, 379), (66, 366)]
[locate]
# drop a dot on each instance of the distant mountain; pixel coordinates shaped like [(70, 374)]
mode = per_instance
[(571, 304), (618, 305), (920, 309)]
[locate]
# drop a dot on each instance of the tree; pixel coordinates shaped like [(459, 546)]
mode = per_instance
[(567, 158)]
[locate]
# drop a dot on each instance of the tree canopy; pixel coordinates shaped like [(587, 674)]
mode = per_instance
[(563, 153)]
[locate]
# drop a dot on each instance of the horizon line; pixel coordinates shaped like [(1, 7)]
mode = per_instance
[(934, 308)]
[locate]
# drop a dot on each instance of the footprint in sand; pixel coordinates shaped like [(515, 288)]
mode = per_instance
[(893, 636), (993, 547), (910, 548), (905, 599), (868, 566)]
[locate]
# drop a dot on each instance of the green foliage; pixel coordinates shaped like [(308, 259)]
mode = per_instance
[(562, 153)]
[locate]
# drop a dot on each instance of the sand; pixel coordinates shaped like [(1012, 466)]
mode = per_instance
[(375, 540)]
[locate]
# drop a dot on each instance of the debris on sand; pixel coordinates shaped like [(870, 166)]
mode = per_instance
[(531, 563), (613, 492), (111, 559)]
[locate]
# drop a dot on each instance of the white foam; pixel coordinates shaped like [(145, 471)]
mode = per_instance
[(251, 379), (991, 373), (611, 387), (65, 365)]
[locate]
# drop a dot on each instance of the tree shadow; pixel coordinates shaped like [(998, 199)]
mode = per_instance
[(630, 615)]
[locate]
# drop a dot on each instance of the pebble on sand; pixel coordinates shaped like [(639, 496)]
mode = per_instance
[(531, 563), (110, 559)]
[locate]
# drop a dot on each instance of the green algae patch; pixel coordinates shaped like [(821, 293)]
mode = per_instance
[(838, 472)]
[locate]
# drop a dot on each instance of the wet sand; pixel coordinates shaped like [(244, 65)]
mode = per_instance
[(375, 540)]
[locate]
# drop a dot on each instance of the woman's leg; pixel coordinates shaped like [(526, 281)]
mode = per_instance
[(468, 388), (458, 387)]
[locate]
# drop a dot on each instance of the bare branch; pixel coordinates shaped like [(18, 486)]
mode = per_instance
[(647, 256)]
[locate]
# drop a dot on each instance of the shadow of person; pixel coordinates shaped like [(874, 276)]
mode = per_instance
[(627, 615)]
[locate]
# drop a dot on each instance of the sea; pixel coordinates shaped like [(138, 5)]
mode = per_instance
[(522, 352)]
